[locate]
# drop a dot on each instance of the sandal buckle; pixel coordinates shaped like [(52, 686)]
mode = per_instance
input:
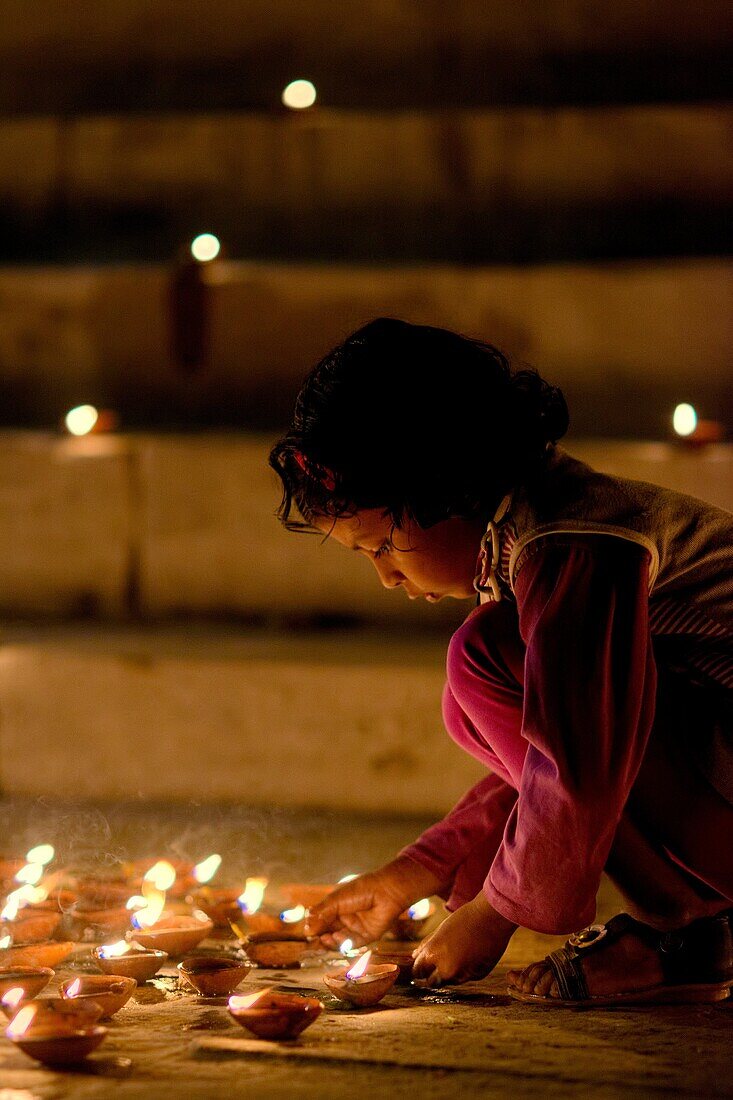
[(588, 936)]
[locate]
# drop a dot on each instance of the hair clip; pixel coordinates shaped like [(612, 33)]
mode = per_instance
[(319, 473)]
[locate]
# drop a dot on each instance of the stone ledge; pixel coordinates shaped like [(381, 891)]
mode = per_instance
[(348, 724)]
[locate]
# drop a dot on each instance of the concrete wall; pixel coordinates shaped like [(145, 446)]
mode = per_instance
[(159, 527), (369, 51), (472, 186), (626, 341)]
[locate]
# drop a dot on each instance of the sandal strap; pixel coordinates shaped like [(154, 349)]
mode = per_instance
[(700, 952), (568, 973)]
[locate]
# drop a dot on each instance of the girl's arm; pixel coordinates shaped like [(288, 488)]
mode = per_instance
[(589, 699), (459, 849)]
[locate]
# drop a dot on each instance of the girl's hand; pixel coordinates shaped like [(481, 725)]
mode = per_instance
[(466, 946), (365, 908)]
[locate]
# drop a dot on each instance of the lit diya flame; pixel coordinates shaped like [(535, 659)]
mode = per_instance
[(162, 875), (236, 1002), (154, 905), (419, 910), (115, 950), (137, 901), (42, 853), (30, 873), (292, 916), (13, 997), (347, 878), (5, 941), (347, 948), (359, 967), (75, 988), (21, 1022), (251, 897), (17, 899), (205, 870)]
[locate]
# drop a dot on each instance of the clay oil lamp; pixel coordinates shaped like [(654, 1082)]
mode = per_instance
[(66, 1013), (213, 975), (50, 953), (53, 1041), (365, 983), (177, 934), (271, 1015), (410, 925), (276, 950), (392, 951), (31, 980), (129, 959), (110, 992), (29, 924), (219, 904)]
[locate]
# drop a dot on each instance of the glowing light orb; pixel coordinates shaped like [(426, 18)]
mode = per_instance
[(205, 247), (81, 420), (684, 420), (419, 910), (299, 94)]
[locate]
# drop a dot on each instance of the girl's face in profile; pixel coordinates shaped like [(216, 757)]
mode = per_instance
[(433, 563)]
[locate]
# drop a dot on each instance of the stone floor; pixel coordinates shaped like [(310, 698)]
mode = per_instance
[(416, 1043)]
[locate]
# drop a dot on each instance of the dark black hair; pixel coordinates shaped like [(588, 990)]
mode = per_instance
[(416, 420)]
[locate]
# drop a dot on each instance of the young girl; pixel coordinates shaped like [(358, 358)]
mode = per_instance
[(593, 679)]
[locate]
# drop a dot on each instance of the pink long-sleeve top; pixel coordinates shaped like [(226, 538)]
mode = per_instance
[(543, 821)]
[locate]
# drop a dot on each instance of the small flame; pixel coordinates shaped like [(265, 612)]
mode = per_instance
[(154, 905), (292, 916), (114, 950), (359, 966), (21, 1022), (207, 868), (5, 941), (419, 910), (31, 873), (18, 899), (137, 901), (236, 1002), (162, 875), (13, 997), (251, 897), (347, 878), (346, 947), (42, 853), (74, 989)]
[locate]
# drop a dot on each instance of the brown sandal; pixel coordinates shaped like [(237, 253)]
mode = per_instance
[(697, 963)]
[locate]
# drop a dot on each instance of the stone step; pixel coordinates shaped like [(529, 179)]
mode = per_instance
[(385, 53), (162, 528), (348, 722), (520, 185), (629, 339)]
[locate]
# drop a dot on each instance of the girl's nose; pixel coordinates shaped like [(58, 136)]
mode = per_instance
[(388, 575)]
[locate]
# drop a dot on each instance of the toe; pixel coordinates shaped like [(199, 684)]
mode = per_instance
[(532, 975), (544, 984)]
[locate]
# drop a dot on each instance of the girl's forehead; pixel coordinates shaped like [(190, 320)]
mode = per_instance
[(360, 530)]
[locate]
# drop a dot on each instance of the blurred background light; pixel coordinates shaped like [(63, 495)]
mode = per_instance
[(299, 94), (205, 247), (684, 420), (81, 419)]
